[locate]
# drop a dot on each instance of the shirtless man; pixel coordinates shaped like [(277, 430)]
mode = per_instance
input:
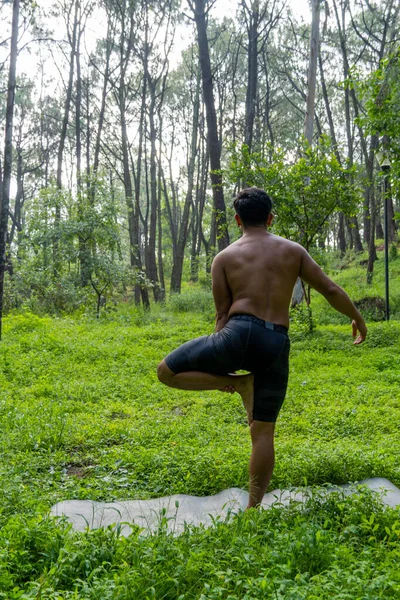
[(252, 282)]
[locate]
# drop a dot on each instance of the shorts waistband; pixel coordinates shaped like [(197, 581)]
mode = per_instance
[(266, 324)]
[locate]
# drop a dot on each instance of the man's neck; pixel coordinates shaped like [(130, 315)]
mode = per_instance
[(254, 231)]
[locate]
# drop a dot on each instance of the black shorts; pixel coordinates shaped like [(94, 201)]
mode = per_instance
[(247, 343)]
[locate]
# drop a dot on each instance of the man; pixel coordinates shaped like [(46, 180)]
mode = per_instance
[(252, 282)]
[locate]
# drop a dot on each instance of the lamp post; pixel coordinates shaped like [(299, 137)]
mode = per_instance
[(384, 163)]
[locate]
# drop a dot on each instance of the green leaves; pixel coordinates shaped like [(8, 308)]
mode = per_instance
[(306, 191)]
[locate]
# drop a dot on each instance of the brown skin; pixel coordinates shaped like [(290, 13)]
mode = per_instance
[(255, 275)]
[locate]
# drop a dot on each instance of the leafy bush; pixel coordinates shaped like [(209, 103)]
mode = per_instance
[(193, 301)]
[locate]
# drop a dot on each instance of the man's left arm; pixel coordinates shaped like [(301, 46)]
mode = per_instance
[(221, 292)]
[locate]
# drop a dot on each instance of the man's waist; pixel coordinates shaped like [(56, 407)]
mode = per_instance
[(261, 322)]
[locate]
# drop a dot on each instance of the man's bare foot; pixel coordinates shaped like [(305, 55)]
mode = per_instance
[(245, 387)]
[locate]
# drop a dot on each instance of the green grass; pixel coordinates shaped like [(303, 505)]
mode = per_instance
[(83, 416), (348, 273)]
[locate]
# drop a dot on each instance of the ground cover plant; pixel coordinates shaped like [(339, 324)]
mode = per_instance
[(83, 416)]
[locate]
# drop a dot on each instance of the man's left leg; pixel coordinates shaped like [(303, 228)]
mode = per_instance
[(197, 380)]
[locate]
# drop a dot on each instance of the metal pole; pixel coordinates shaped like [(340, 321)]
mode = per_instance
[(386, 170)]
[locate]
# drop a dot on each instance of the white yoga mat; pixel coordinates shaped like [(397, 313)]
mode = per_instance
[(180, 508)]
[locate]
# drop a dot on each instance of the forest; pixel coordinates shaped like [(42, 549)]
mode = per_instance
[(130, 124)]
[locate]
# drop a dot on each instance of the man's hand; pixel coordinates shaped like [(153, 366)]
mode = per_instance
[(361, 327)]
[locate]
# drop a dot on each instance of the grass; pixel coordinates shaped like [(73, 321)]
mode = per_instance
[(83, 416)]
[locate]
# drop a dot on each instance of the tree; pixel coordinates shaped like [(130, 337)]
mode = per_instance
[(382, 101), (305, 193), (6, 182), (200, 10), (312, 71)]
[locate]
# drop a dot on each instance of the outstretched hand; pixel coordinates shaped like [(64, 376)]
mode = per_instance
[(361, 327)]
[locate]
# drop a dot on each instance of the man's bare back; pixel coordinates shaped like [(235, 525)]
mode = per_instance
[(260, 270), (256, 275)]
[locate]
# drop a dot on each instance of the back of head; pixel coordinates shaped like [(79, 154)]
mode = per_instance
[(253, 205)]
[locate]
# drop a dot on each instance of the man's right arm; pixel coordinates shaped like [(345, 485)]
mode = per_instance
[(311, 273)]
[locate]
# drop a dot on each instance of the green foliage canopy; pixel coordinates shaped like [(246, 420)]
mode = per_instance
[(306, 192)]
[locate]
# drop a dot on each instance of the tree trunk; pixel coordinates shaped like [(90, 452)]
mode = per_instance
[(61, 145), (159, 217), (372, 256), (140, 290), (5, 197), (214, 145), (197, 215), (160, 254), (16, 217), (298, 292), (176, 276), (151, 262), (312, 72), (96, 158), (84, 259), (392, 221), (379, 233), (252, 60), (341, 235)]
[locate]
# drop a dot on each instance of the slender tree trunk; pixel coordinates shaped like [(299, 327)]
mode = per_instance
[(151, 248), (63, 135), (68, 98), (140, 290), (159, 217), (83, 249), (252, 62), (299, 291), (350, 94), (16, 221), (96, 158), (197, 215), (312, 72), (160, 253), (341, 234), (5, 197), (379, 229), (371, 246), (267, 110), (214, 144), (392, 221), (176, 276)]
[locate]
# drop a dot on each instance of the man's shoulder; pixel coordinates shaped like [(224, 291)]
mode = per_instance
[(228, 250), (288, 243)]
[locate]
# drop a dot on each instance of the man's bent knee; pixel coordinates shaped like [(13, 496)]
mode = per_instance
[(164, 373)]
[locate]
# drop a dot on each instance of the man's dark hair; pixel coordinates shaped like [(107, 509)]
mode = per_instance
[(253, 205)]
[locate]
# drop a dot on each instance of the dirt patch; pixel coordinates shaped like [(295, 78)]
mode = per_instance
[(78, 471), (119, 415), (79, 468)]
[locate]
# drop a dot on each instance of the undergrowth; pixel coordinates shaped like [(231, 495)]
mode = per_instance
[(83, 415)]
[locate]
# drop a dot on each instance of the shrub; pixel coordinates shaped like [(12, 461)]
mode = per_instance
[(197, 301)]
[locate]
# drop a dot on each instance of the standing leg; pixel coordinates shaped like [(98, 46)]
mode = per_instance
[(262, 460), (197, 380)]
